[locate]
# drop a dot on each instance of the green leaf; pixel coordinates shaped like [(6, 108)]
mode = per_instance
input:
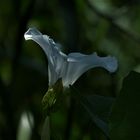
[(98, 107), (125, 117)]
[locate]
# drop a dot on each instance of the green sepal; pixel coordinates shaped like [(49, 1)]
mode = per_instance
[(52, 99)]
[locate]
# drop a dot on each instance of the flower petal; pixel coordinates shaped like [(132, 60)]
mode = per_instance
[(70, 67), (108, 62), (79, 63), (55, 57)]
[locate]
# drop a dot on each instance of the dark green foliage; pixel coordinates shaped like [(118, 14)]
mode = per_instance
[(98, 107), (124, 121)]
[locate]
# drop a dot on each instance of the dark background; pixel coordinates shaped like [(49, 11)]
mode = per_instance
[(109, 27)]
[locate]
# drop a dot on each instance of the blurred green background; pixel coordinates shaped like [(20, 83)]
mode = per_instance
[(109, 27)]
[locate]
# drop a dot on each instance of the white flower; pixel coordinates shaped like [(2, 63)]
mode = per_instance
[(68, 67)]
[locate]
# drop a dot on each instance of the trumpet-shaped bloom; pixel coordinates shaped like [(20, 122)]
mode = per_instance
[(68, 67)]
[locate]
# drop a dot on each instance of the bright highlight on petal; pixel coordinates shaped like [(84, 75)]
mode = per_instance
[(68, 67)]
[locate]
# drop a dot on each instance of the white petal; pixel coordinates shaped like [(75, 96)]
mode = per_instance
[(42, 40), (108, 62), (70, 67), (79, 63), (55, 57)]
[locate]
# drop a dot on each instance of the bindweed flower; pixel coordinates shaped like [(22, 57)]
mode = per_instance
[(64, 70), (68, 67)]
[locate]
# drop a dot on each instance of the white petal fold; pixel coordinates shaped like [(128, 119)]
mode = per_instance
[(68, 67)]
